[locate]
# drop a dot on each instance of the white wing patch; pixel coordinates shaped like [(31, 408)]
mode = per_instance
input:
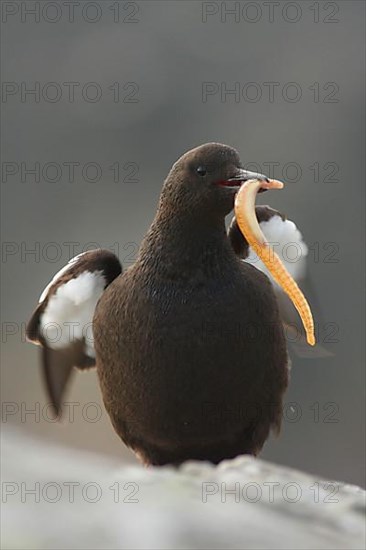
[(69, 312), (286, 240), (58, 275)]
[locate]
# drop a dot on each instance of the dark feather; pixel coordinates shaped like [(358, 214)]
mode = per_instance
[(58, 364)]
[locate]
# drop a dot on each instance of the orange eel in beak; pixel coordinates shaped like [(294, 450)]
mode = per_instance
[(248, 224)]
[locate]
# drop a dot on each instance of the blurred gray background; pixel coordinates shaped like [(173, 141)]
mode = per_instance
[(162, 55)]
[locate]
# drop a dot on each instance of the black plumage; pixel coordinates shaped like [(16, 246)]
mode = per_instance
[(191, 353), (58, 363), (190, 349)]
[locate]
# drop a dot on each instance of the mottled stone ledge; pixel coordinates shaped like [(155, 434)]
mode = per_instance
[(54, 497)]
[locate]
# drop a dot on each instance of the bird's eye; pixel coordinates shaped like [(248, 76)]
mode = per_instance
[(201, 170)]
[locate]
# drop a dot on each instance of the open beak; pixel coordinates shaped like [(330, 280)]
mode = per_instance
[(242, 176), (248, 224)]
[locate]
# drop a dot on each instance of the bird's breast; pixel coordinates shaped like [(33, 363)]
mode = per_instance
[(167, 349)]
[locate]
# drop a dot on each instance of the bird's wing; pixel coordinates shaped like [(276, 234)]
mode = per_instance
[(62, 321), (287, 241)]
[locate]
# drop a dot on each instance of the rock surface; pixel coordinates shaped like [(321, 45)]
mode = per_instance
[(54, 497)]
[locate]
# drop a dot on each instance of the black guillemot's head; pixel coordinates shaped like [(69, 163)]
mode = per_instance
[(204, 181)]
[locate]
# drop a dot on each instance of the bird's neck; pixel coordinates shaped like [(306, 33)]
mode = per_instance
[(186, 246)]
